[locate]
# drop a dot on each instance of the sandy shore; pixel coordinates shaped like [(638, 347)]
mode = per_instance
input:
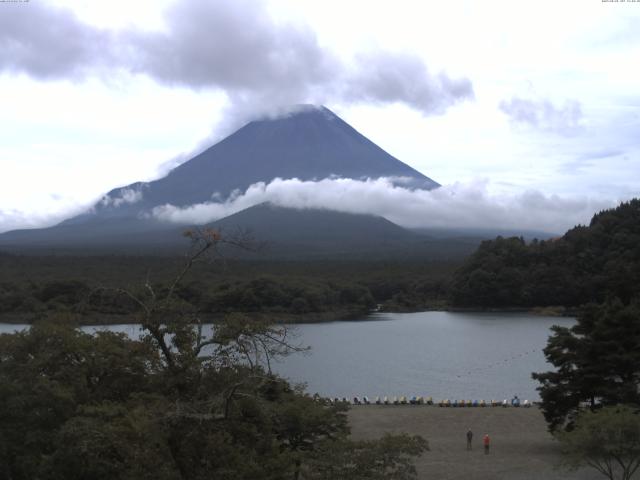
[(521, 447)]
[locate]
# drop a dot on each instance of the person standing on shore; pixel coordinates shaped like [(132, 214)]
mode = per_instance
[(487, 442), (469, 438)]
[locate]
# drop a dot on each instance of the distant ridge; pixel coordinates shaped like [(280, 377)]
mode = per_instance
[(282, 233), (288, 231), (300, 234)]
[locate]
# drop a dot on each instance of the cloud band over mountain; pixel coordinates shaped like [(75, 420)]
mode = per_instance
[(229, 45), (468, 205)]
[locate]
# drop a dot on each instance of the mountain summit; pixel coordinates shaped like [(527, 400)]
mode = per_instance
[(309, 143)]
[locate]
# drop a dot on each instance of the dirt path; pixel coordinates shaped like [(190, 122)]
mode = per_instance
[(521, 447)]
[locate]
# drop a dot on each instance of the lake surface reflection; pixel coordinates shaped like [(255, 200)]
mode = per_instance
[(442, 354)]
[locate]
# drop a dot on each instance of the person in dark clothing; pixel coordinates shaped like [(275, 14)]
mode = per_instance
[(469, 439)]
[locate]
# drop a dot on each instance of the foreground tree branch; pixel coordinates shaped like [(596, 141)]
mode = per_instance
[(181, 402)]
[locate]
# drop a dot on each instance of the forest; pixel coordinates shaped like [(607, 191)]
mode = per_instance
[(300, 291), (587, 264)]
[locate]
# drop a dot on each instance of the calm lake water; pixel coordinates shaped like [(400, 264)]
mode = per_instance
[(441, 354)]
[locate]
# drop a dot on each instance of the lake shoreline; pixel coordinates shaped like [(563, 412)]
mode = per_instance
[(549, 311), (348, 315), (97, 319)]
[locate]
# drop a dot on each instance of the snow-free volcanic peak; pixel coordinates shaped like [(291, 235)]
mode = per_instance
[(307, 142)]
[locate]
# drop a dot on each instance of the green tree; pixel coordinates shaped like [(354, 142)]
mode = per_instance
[(597, 362), (607, 440), (50, 372), (182, 402), (391, 457)]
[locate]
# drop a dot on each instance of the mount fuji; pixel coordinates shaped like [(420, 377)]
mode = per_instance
[(309, 143)]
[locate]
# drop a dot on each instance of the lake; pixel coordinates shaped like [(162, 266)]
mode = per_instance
[(441, 354)]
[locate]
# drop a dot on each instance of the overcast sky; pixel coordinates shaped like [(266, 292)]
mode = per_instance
[(534, 100)]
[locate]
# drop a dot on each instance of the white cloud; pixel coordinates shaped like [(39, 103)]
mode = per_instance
[(460, 205), (127, 196), (60, 209), (229, 45), (543, 115)]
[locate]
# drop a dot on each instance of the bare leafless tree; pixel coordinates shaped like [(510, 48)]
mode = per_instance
[(176, 329)]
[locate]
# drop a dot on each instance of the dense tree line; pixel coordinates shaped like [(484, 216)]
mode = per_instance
[(263, 294), (297, 291), (587, 264)]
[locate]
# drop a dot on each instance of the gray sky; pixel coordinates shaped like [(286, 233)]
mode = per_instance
[(536, 102)]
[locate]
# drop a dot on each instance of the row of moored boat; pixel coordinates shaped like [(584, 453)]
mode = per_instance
[(402, 400)]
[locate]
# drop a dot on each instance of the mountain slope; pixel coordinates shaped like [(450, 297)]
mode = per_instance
[(282, 232), (312, 143), (288, 231), (111, 234), (312, 233)]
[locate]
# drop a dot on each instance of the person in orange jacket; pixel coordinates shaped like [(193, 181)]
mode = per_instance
[(486, 441)]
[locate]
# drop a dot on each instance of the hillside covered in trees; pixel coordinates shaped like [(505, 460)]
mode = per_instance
[(588, 264)]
